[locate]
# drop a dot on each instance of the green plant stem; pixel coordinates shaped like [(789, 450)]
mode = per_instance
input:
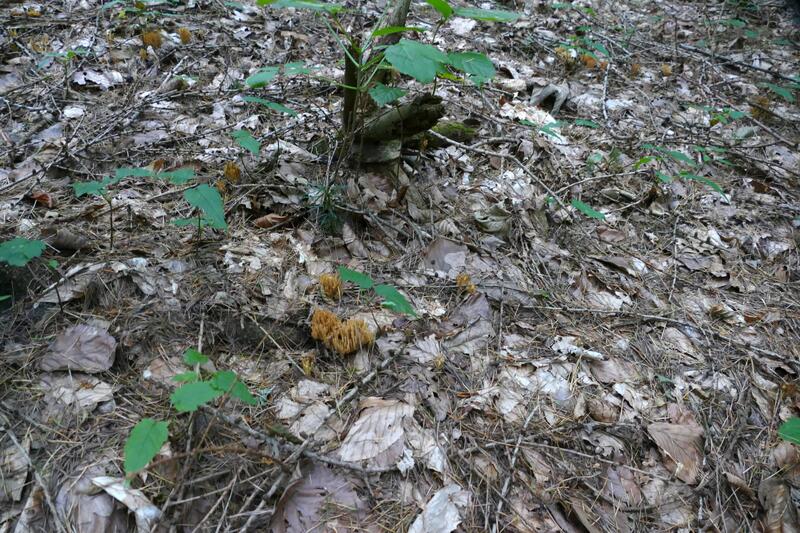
[(110, 221), (352, 71)]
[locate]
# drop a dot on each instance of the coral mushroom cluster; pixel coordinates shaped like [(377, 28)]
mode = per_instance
[(344, 337)]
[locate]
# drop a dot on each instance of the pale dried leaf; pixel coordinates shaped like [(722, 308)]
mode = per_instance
[(321, 501), (682, 444), (135, 500), (81, 348), (13, 470), (442, 513), (377, 429), (780, 514)]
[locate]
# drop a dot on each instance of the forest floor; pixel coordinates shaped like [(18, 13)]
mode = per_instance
[(605, 332)]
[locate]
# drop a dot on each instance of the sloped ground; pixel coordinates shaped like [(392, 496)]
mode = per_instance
[(625, 373)]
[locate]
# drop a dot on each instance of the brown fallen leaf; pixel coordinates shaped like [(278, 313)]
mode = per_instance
[(681, 445), (270, 220), (66, 239), (607, 234), (780, 515), (41, 198), (740, 485)]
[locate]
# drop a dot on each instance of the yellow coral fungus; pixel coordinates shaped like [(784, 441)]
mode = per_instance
[(152, 38), (232, 171), (464, 282), (331, 285), (351, 336), (323, 324), (185, 35)]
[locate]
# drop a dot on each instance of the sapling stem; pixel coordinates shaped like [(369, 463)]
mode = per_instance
[(110, 219)]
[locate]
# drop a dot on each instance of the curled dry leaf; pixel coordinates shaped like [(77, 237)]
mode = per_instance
[(67, 240), (780, 515), (135, 500), (378, 428), (442, 513), (270, 220), (681, 445), (740, 485), (321, 500), (39, 197), (622, 487), (81, 348), (14, 465)]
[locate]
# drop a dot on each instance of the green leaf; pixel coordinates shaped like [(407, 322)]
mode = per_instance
[(243, 394), (680, 157), (312, 5), (18, 252), (146, 438), (96, 188), (52, 264), (783, 92), (597, 46), (295, 68), (663, 177), (479, 67), (192, 357), (702, 179), (442, 7), (385, 95), (178, 176), (790, 430), (126, 172), (223, 380), (207, 199), (389, 30), (186, 377), (587, 123), (548, 129), (262, 77), (192, 395), (420, 61), (594, 159), (272, 105), (362, 280), (394, 300), (587, 210), (193, 221), (488, 15), (5, 297), (226, 381), (247, 141), (733, 23)]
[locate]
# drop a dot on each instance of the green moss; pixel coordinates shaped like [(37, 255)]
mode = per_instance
[(457, 131)]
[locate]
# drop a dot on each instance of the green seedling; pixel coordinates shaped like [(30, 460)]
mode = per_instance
[(100, 190), (392, 298), (149, 435)]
